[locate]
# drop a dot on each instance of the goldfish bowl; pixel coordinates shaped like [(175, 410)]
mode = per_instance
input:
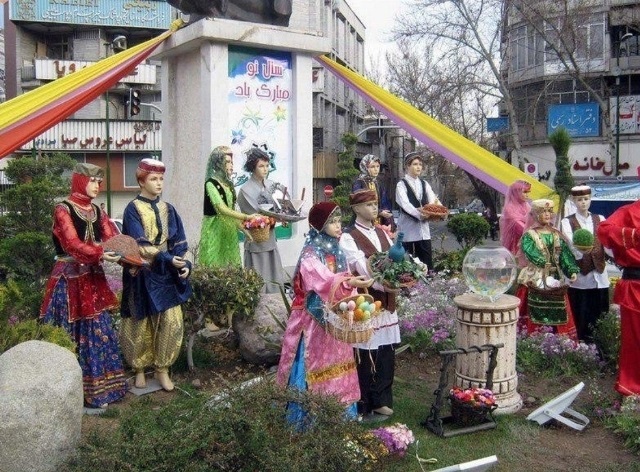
[(489, 271)]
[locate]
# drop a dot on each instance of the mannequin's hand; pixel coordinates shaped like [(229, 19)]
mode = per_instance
[(178, 262), (111, 256), (183, 273), (247, 236), (361, 281), (573, 277)]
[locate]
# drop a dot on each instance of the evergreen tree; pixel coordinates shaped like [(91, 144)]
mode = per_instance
[(347, 174), (26, 248), (563, 180)]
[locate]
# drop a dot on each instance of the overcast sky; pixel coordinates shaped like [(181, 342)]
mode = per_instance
[(378, 17)]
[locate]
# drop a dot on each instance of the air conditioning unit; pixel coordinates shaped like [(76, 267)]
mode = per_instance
[(531, 168)]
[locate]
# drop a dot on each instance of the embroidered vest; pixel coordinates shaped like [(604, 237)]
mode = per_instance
[(87, 230), (594, 260), (208, 208), (388, 299), (413, 199)]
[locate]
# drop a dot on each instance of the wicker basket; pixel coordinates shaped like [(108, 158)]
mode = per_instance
[(435, 212), (259, 235), (465, 414), (342, 326)]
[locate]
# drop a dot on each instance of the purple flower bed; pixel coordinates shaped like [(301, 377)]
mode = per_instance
[(427, 312)]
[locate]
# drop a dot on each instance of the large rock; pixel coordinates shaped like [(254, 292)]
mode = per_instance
[(41, 404), (260, 338)]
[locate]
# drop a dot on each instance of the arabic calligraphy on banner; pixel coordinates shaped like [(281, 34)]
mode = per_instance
[(260, 104), (629, 114), (154, 14), (579, 119)]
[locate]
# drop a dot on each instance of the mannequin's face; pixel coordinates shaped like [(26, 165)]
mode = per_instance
[(333, 227), (228, 164), (152, 186), (545, 216), (374, 169), (583, 202), (414, 169), (366, 211), (93, 187), (261, 171)]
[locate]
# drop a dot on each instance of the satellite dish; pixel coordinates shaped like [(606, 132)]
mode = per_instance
[(555, 408), (479, 465)]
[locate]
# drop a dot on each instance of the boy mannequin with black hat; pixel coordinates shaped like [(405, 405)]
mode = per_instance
[(589, 293), (376, 357)]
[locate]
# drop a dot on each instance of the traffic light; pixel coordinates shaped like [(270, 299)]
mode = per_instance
[(133, 105)]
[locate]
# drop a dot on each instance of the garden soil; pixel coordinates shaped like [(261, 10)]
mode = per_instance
[(558, 447)]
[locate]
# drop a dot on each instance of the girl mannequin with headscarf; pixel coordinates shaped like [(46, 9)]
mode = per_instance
[(261, 256), (77, 296), (514, 215), (311, 359), (219, 244), (368, 180), (550, 263)]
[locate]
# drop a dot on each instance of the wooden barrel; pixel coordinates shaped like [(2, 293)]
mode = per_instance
[(480, 321)]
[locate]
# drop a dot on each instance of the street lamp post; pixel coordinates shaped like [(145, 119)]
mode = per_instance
[(616, 73), (119, 43)]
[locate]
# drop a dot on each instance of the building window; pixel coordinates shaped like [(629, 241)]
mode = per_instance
[(527, 46), (58, 47), (585, 42)]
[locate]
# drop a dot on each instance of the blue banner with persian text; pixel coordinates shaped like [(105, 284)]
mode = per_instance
[(579, 119), (155, 14)]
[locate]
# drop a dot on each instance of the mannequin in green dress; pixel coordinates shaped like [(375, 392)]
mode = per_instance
[(219, 245)]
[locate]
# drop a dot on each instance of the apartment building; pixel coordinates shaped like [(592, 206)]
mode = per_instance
[(604, 39)]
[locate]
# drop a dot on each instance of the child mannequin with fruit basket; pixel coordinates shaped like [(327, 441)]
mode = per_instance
[(376, 357), (311, 359)]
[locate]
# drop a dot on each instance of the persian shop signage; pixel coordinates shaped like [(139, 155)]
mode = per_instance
[(52, 69), (133, 13), (579, 119)]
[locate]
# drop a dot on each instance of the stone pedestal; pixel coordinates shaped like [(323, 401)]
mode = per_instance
[(478, 322), (196, 101)]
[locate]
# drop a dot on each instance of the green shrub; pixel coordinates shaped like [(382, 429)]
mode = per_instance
[(627, 422), (218, 294), (28, 256), (469, 229), (606, 335), (19, 300), (12, 334), (244, 431), (449, 260)]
